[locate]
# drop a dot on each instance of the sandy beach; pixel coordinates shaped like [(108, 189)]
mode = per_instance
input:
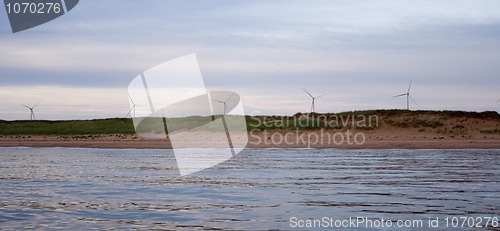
[(374, 140)]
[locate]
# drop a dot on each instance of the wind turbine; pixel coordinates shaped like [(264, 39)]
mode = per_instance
[(32, 115), (313, 98), (224, 102), (224, 123), (408, 97), (132, 109), (498, 100)]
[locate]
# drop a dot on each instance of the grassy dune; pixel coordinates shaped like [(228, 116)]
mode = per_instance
[(436, 121), (67, 127)]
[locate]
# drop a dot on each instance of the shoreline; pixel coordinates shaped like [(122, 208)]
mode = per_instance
[(134, 142)]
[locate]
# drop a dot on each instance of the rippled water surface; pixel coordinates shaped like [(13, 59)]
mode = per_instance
[(61, 188)]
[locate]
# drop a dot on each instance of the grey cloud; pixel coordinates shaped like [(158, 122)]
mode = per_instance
[(260, 45)]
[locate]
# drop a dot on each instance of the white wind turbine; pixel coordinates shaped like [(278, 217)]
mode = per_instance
[(408, 97), (224, 102), (313, 99), (32, 115), (131, 112)]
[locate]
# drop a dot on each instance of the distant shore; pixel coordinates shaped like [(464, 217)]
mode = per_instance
[(131, 142), (377, 129)]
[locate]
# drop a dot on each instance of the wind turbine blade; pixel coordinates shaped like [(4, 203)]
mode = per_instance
[(412, 100), (308, 93), (320, 96), (130, 111), (36, 104), (498, 100), (218, 101), (25, 106), (228, 98), (399, 95), (409, 86), (133, 103)]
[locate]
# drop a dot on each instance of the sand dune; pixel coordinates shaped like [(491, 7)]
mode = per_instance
[(412, 130)]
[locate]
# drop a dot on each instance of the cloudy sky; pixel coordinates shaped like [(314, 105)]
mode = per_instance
[(359, 53)]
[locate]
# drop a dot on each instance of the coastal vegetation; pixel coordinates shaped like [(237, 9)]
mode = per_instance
[(437, 121)]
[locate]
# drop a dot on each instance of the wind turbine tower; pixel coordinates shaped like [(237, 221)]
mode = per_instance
[(313, 109), (224, 102), (408, 97), (32, 114), (131, 112)]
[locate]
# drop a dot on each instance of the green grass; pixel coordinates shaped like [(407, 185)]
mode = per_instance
[(298, 121), (491, 131), (67, 127), (415, 123), (312, 122), (448, 114)]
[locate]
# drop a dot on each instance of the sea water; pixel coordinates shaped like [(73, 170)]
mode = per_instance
[(66, 188)]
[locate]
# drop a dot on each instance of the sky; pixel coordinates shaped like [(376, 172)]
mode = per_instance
[(359, 53)]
